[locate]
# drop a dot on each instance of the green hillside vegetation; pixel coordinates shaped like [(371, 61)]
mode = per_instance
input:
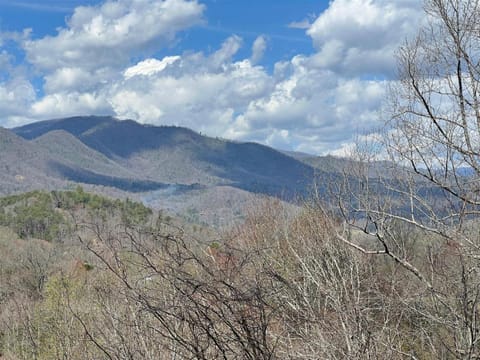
[(48, 215)]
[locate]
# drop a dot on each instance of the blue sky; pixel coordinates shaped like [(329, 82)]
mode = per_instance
[(247, 18), (303, 75)]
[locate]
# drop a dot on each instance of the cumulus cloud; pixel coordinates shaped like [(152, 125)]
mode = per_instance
[(311, 103), (5, 62), (358, 37), (313, 109), (225, 54), (83, 59), (70, 79), (203, 92), (98, 42), (108, 35), (297, 107), (9, 66), (69, 104), (258, 49), (16, 95), (16, 90), (150, 66)]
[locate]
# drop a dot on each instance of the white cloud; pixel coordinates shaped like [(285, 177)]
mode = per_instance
[(69, 104), (108, 35), (69, 78), (359, 36), (315, 103), (198, 91), (318, 109), (303, 24), (150, 66), (82, 61), (5, 60), (258, 49), (297, 107), (9, 66), (16, 90), (16, 94), (279, 138), (225, 54)]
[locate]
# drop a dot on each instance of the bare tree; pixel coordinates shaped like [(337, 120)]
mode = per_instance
[(180, 296), (420, 209)]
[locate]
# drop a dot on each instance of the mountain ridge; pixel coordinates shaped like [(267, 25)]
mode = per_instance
[(177, 155), (211, 180)]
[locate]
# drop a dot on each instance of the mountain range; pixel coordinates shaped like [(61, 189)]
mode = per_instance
[(161, 165)]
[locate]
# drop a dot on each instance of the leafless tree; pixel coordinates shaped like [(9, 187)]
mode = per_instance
[(184, 297), (420, 207)]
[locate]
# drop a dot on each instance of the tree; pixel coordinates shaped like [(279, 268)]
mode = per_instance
[(421, 208)]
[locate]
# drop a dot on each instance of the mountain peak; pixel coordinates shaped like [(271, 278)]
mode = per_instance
[(166, 154), (75, 125)]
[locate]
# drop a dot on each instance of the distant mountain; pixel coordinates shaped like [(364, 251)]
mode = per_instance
[(205, 179), (164, 155), (45, 164), (74, 125), (345, 166), (66, 148), (22, 165)]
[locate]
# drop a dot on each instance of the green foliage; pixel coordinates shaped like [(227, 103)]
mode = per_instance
[(87, 266), (133, 213), (43, 215), (32, 215), (215, 245), (60, 333)]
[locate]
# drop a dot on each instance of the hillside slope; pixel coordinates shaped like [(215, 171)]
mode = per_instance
[(175, 155), (23, 166)]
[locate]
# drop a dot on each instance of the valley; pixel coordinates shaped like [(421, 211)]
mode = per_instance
[(169, 168)]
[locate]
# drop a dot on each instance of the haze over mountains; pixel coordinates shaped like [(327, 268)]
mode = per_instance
[(149, 161)]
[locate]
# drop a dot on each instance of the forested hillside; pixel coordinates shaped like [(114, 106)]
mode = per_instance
[(162, 155), (209, 180), (86, 277)]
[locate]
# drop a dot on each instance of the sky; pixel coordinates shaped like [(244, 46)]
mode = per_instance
[(298, 75)]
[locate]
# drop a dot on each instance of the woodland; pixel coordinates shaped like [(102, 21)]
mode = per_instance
[(381, 263)]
